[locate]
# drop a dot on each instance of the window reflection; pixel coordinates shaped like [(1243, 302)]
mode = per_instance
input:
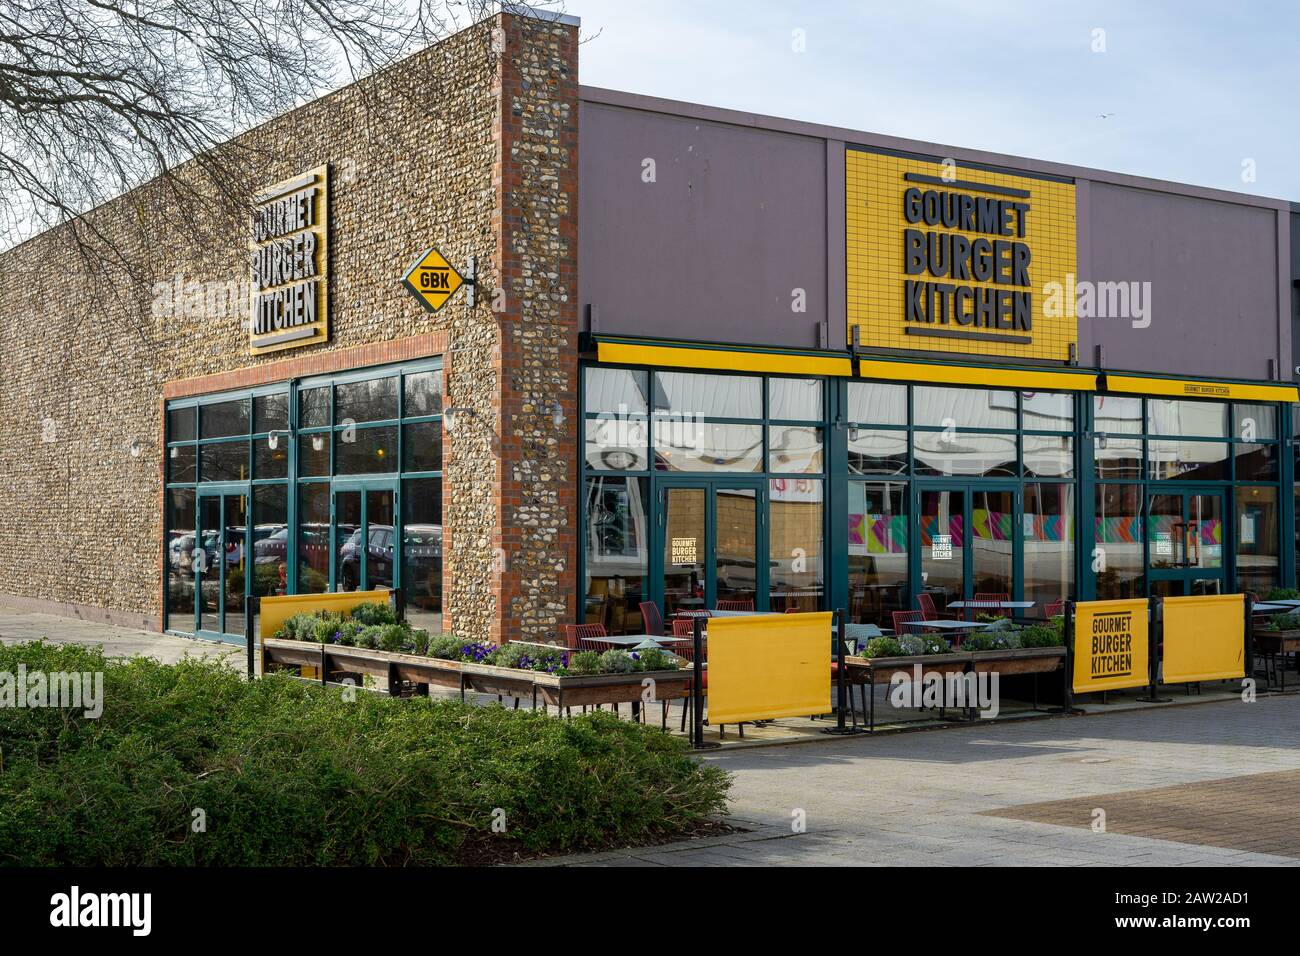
[(945, 407), (1187, 460), (1177, 417), (1257, 539), (373, 400), (795, 449), (1119, 535), (705, 446), (616, 539), (965, 454), (877, 452), (877, 403), (795, 399), (615, 390), (878, 553), (1048, 537), (617, 443), (720, 396), (180, 558), (1049, 456), (422, 553), (1117, 415), (1047, 411), (795, 544)]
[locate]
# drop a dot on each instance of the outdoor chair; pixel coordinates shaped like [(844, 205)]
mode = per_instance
[(586, 637), (1053, 609), (654, 622), (992, 596), (925, 601), (903, 618), (685, 627), (745, 605)]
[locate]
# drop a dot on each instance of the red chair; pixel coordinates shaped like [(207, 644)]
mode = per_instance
[(992, 596), (745, 605), (586, 637), (792, 610), (1054, 609), (903, 618), (685, 627), (654, 622)]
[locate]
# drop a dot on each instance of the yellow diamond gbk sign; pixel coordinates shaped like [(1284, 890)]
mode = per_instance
[(433, 280)]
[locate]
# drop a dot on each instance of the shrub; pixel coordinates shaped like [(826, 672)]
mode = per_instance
[(883, 647), (1282, 622), (585, 662), (420, 641), (446, 647), (658, 659), (617, 662), (373, 612), (1282, 594), (1041, 635), (348, 632), (292, 774), (369, 637), (515, 655), (326, 627), (395, 637)]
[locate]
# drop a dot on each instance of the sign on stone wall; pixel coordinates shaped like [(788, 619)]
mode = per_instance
[(432, 279), (289, 257)]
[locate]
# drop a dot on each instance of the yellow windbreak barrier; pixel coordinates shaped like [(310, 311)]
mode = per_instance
[(769, 666), (1111, 645), (277, 610), (1204, 637)]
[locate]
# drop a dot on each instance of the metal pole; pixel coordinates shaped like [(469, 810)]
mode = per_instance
[(1067, 695), (397, 599), (1155, 637), (1249, 605), (697, 686), (252, 604), (839, 670)]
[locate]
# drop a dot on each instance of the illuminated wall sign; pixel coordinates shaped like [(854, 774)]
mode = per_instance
[(948, 259), (289, 256)]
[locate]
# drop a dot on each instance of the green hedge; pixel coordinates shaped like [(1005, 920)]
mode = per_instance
[(291, 774)]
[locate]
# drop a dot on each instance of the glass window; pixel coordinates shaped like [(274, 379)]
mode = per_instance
[(794, 449), (877, 452), (271, 412), (795, 544), (314, 407), (180, 558), (1119, 541), (422, 446), (423, 395), (794, 399), (616, 540), (1117, 457), (270, 541), (422, 552), (314, 455), (1256, 462), (1187, 460), (973, 455), (271, 461), (365, 451), (1048, 542), (181, 463), (313, 537), (1166, 416), (180, 424), (716, 396), (701, 446), (1049, 456), (944, 407), (1116, 415), (373, 400), (1257, 538), (617, 443), (878, 553), (1047, 411), (224, 419), (877, 403), (1254, 422), (224, 461), (615, 390)]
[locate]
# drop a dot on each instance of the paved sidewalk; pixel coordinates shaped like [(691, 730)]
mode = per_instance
[(19, 626), (933, 798)]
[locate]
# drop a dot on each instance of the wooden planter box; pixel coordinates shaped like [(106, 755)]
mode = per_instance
[(1276, 642), (1019, 660), (566, 691)]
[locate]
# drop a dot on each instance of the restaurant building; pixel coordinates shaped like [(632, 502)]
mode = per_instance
[(534, 352)]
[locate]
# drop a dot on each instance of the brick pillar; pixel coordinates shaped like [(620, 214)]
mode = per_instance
[(537, 262)]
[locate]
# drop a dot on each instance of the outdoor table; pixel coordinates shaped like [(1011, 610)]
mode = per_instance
[(741, 613), (632, 640), (956, 628), (999, 605), (1274, 607)]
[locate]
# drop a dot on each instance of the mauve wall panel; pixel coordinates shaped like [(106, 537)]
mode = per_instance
[(1213, 271), (713, 249)]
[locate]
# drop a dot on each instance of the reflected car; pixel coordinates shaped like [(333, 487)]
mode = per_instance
[(379, 557)]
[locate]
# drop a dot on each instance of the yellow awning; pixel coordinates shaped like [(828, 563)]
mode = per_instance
[(1048, 380), (1191, 388), (673, 356)]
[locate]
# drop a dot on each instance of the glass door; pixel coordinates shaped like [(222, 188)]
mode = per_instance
[(364, 533), (1185, 544), (711, 545), (968, 541), (221, 563)]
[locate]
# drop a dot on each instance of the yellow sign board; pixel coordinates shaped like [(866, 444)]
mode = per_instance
[(1204, 638), (766, 666), (432, 279), (959, 259), (289, 256), (1188, 388), (1111, 645)]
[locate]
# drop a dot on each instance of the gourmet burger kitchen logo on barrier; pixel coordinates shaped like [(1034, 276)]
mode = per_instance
[(951, 259), (290, 261)]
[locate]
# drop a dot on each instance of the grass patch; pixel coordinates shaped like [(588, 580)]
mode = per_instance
[(290, 774)]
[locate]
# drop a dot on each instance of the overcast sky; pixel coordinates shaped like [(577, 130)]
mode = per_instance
[(1185, 91)]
